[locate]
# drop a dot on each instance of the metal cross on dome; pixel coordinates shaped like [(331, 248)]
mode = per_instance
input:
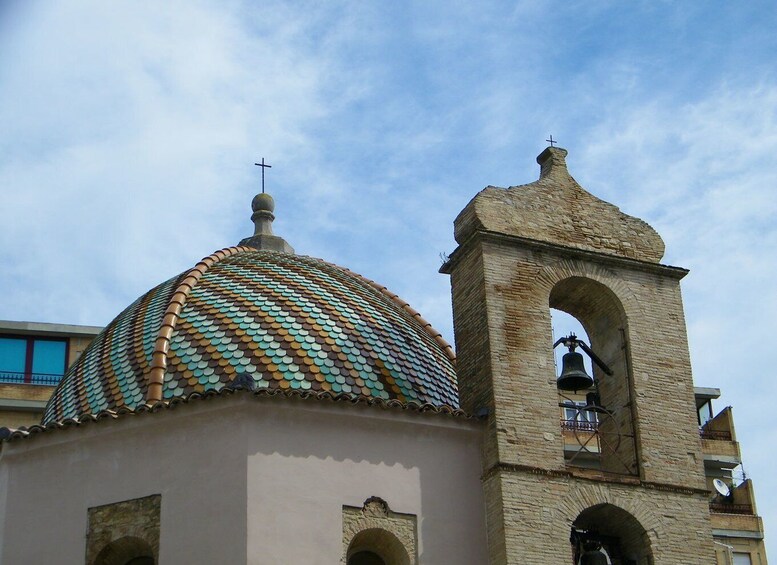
[(551, 140), (263, 168)]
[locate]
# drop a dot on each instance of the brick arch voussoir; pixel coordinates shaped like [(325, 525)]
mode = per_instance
[(587, 496), (552, 274)]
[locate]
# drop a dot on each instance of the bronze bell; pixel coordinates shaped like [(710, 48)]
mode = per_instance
[(593, 557), (573, 375)]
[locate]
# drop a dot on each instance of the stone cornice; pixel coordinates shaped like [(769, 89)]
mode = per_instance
[(599, 478), (564, 251)]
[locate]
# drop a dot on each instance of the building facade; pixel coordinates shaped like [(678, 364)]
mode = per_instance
[(33, 359)]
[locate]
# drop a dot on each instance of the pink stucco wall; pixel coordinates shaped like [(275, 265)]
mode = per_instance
[(247, 481)]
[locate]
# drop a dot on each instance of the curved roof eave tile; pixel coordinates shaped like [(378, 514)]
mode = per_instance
[(8, 434)]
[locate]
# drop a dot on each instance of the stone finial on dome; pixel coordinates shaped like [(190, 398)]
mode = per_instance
[(263, 207), (263, 202)]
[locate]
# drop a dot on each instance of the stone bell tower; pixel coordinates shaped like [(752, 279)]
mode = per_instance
[(641, 494)]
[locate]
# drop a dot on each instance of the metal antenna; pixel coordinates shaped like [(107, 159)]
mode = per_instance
[(263, 168)]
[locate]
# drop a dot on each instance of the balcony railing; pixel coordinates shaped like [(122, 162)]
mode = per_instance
[(579, 425), (726, 508), (45, 379), (724, 435)]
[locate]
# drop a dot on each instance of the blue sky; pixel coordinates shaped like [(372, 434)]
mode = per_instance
[(129, 132)]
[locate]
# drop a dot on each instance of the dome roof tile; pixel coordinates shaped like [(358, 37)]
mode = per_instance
[(286, 321)]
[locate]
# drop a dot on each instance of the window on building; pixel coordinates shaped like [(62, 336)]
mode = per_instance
[(32, 360), (577, 418), (704, 413), (742, 559)]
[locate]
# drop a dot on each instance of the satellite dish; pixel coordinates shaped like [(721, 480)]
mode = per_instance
[(722, 488)]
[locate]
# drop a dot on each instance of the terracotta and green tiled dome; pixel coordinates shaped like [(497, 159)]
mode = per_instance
[(281, 320)]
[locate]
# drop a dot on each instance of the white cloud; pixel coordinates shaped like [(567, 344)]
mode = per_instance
[(130, 130)]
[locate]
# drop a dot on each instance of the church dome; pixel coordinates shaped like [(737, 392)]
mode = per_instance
[(266, 319)]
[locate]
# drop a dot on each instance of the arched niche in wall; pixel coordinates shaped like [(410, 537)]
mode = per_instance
[(124, 533), (615, 531), (374, 535), (603, 318), (126, 551), (376, 546)]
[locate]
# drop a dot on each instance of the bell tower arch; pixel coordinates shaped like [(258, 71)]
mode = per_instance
[(611, 411), (550, 244)]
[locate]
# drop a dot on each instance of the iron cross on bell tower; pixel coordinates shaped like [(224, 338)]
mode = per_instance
[(263, 168)]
